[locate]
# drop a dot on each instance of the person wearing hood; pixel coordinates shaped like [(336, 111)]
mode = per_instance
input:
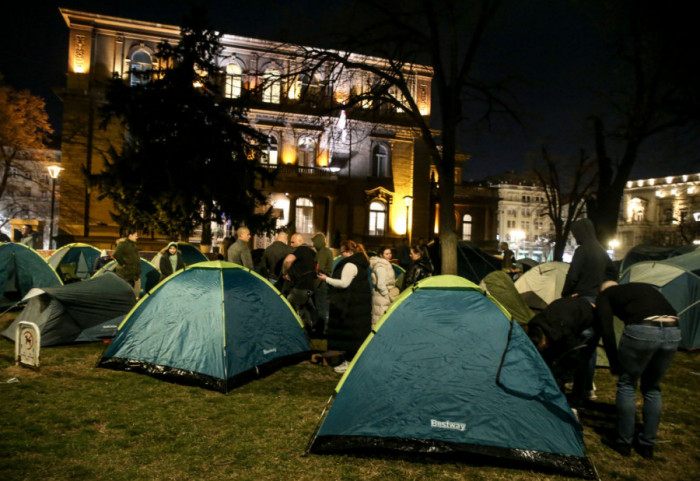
[(171, 261), (590, 267), (101, 261), (384, 282), (324, 261), (420, 268), (350, 317)]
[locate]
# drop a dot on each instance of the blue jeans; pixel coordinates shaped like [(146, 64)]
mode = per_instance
[(645, 353)]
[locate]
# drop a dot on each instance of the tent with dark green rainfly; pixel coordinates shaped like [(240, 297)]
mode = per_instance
[(448, 372), (214, 324), (500, 286), (22, 268), (149, 274), (74, 261)]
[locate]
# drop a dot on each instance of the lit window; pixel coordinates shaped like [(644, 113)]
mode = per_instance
[(234, 81), (377, 218), (306, 152), (141, 67), (269, 155), (304, 216), (467, 227), (380, 161), (271, 87)]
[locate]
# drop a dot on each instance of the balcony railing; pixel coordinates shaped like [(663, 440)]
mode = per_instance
[(299, 170)]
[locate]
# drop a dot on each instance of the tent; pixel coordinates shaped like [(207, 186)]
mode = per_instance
[(447, 371), (74, 261), (648, 252), (214, 324), (473, 263), (149, 274), (542, 284), (499, 285), (63, 313), (678, 279), (22, 268), (190, 254)]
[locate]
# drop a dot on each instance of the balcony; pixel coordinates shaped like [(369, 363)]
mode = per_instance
[(289, 170)]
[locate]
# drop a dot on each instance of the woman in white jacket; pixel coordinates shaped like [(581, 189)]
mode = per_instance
[(384, 283)]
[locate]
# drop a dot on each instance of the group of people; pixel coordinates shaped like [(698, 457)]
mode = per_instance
[(567, 333)]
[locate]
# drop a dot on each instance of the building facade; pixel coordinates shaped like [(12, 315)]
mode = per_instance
[(347, 173)]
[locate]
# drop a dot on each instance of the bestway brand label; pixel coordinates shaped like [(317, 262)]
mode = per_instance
[(269, 351), (434, 423)]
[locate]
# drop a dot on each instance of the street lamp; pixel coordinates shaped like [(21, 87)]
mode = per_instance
[(54, 170), (408, 200)]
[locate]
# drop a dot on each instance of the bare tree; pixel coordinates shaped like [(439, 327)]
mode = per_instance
[(565, 197)]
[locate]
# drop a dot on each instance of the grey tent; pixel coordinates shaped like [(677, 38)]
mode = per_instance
[(63, 313)]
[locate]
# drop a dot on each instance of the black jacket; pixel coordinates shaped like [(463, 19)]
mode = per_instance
[(590, 265), (418, 270)]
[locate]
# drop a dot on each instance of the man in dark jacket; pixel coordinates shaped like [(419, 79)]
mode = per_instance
[(128, 261), (562, 334), (274, 256), (299, 268), (648, 344)]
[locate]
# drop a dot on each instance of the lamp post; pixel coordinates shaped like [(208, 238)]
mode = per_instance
[(408, 200), (54, 171)]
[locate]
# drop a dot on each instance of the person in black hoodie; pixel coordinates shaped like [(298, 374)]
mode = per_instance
[(350, 317), (558, 333)]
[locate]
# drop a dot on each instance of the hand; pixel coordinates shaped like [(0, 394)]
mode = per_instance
[(322, 276)]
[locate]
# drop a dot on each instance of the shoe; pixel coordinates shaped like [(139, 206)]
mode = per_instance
[(622, 449), (644, 450), (342, 367)]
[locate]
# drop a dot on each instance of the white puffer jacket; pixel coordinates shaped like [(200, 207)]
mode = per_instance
[(383, 280)]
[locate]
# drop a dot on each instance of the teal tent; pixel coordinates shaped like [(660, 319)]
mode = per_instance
[(448, 371), (22, 268), (149, 274), (190, 254), (64, 313), (74, 261), (648, 252), (678, 279), (214, 324)]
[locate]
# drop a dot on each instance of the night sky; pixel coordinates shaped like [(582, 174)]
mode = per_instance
[(551, 46)]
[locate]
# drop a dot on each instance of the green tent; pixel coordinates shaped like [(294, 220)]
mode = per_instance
[(499, 285), (63, 313), (214, 324), (149, 274), (448, 371), (678, 279), (74, 261), (22, 268)]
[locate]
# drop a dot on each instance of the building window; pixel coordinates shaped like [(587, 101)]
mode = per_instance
[(269, 155), (234, 81), (304, 216), (380, 161), (377, 218), (467, 227), (306, 153), (141, 67), (272, 89)]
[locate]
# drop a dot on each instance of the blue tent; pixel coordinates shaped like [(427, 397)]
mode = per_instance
[(22, 268), (149, 274), (214, 324), (74, 261), (448, 371)]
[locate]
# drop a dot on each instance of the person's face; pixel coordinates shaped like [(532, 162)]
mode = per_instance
[(134, 237), (245, 237), (387, 254), (414, 255), (172, 250)]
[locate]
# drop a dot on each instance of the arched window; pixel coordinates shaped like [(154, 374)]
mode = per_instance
[(306, 152), (377, 218), (380, 161), (234, 81), (271, 86), (141, 66), (467, 227), (269, 155), (304, 216)]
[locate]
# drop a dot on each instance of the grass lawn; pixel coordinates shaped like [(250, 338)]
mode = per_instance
[(72, 421)]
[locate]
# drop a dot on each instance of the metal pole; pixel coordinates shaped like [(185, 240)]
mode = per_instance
[(53, 201)]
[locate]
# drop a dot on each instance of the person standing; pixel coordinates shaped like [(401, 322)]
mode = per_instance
[(647, 347), (128, 261), (324, 261), (28, 236), (274, 256), (171, 261), (239, 253), (350, 317), (420, 268), (299, 269), (384, 281)]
